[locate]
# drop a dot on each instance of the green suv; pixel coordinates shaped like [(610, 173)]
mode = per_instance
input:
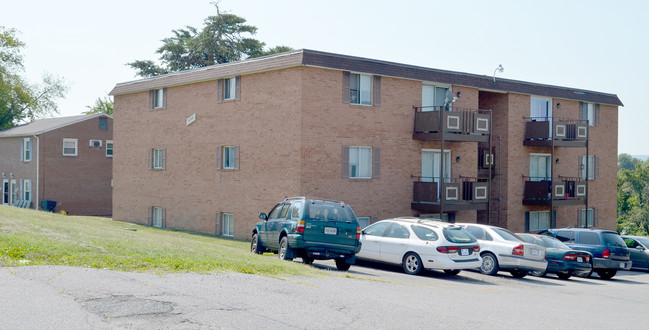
[(309, 228)]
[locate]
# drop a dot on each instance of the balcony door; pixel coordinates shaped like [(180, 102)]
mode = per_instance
[(431, 166), (433, 98), (540, 167)]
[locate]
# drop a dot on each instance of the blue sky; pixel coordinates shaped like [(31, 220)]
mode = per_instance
[(595, 45)]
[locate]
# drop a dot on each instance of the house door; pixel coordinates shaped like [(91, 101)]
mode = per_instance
[(433, 98), (5, 191), (431, 165), (540, 169)]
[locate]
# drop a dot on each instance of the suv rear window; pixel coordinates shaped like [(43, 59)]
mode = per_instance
[(327, 211), (458, 235), (589, 238), (566, 236), (612, 239)]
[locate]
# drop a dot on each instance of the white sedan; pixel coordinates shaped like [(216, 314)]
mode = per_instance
[(419, 244), (504, 250)]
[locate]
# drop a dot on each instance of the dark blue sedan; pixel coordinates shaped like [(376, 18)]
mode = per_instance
[(562, 260)]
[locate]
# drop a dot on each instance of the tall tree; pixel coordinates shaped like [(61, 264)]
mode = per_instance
[(102, 105), (19, 100), (224, 38), (633, 198)]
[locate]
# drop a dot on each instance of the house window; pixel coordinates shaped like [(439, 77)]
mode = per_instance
[(95, 143), (540, 220), (227, 157), (109, 148), (70, 147), (158, 215), (158, 98), (26, 147), (360, 89), (103, 123), (228, 224), (158, 159), (540, 108), (540, 167), (587, 218), (360, 162), (363, 221), (590, 166), (590, 112), (434, 98), (229, 88), (27, 190)]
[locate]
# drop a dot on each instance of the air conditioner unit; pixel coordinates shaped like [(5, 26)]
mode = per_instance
[(95, 143)]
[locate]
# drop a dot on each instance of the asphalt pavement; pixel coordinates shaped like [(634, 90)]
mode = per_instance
[(368, 296)]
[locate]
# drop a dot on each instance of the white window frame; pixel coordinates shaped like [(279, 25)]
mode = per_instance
[(157, 217), (76, 147), (548, 168), (27, 190), (535, 116), (229, 88), (27, 149), (92, 142), (589, 113), (535, 215), (360, 165), (158, 98), (590, 165), (228, 157), (588, 217), (436, 104), (157, 159), (109, 146), (362, 89), (227, 222)]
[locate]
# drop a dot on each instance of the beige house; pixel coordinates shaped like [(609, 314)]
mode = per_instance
[(65, 160), (208, 149)]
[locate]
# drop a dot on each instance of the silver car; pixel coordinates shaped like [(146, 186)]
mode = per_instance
[(501, 249)]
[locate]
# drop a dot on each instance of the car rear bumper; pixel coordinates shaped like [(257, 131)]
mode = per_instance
[(322, 250), (601, 263), (556, 266), (444, 262), (508, 262)]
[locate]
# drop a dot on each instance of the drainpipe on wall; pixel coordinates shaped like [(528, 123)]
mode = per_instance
[(38, 169)]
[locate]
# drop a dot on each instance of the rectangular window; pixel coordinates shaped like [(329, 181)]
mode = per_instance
[(229, 88), (227, 157), (158, 98), (360, 162), (158, 159), (590, 112), (540, 220), (70, 147), (360, 89), (228, 224), (95, 143), (27, 190), (158, 214), (540, 108), (590, 166), (26, 149), (109, 148), (587, 218), (540, 167), (434, 98), (363, 221), (103, 123)]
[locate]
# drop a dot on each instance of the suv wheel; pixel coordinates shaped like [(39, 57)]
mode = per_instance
[(342, 265), (489, 264), (607, 274), (412, 264), (255, 246), (284, 250)]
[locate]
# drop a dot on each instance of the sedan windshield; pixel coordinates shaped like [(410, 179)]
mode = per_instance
[(643, 240), (458, 235), (507, 235)]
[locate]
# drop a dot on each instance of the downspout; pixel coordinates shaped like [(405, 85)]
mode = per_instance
[(38, 170)]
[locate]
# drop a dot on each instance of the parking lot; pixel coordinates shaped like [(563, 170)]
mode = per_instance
[(367, 296)]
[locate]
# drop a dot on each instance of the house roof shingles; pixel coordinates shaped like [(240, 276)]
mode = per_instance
[(305, 57), (45, 125)]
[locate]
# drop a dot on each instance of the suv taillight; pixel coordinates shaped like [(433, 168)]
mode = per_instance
[(519, 250), (606, 254), (300, 226), (358, 232)]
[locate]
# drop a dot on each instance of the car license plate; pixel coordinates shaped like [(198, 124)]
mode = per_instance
[(331, 230), (622, 265), (464, 252), (535, 253), (580, 259)]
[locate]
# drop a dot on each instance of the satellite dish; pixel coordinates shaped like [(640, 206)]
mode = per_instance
[(449, 97)]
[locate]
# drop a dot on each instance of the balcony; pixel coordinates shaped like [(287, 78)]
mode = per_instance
[(437, 123), (457, 194), (559, 192), (564, 133)]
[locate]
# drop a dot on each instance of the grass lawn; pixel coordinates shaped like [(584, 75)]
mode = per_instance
[(29, 237)]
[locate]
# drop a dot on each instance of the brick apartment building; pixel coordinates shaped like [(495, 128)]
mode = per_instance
[(208, 149), (67, 160)]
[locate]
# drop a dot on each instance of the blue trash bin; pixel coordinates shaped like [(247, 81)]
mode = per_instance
[(48, 206)]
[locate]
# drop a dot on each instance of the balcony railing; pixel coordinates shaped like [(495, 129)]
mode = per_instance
[(545, 132), (434, 123), (456, 194), (556, 192)]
